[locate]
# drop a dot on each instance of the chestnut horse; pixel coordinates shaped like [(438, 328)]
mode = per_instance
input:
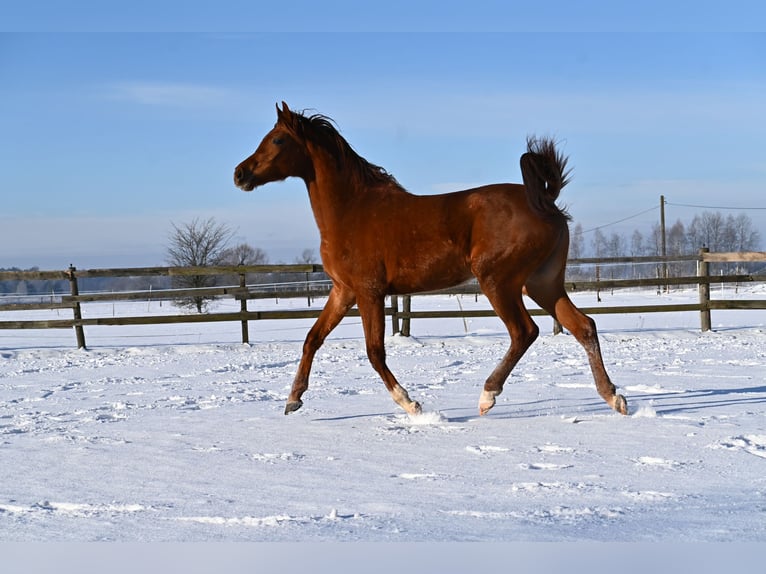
[(377, 239)]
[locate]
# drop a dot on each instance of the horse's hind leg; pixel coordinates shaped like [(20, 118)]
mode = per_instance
[(373, 320), (523, 331), (338, 304), (554, 299)]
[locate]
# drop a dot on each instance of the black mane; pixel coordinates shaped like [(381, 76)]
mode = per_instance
[(321, 130)]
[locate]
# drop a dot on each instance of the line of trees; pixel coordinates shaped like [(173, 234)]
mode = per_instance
[(708, 229)]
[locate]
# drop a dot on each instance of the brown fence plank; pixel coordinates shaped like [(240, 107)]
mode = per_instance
[(52, 306), (33, 275), (672, 281), (185, 271), (622, 260), (472, 313), (721, 304), (51, 324), (735, 256), (205, 317)]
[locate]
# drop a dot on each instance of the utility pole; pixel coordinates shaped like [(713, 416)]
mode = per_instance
[(664, 243)]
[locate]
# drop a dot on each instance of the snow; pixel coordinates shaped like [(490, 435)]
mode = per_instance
[(176, 433)]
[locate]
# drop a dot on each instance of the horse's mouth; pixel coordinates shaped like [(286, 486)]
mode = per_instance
[(244, 180), (249, 186)]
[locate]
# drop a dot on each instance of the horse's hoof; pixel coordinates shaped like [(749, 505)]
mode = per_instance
[(620, 405), (293, 406), (414, 408), (486, 402), (484, 408)]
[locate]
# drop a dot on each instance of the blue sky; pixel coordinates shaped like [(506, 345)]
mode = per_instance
[(106, 137)]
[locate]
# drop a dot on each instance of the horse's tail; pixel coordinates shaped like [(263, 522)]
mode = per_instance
[(545, 173)]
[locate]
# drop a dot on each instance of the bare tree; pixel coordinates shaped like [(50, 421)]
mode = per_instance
[(576, 251), (307, 256), (676, 245), (197, 244), (244, 254), (676, 240), (600, 244), (653, 244), (599, 249), (637, 244), (636, 250), (746, 237), (615, 246), (576, 243), (707, 229)]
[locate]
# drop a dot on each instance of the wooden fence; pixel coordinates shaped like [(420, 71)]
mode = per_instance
[(399, 308)]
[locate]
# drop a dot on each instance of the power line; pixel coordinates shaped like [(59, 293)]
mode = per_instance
[(675, 205), (619, 220), (713, 206)]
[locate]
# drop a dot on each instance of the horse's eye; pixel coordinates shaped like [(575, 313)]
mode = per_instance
[(278, 140)]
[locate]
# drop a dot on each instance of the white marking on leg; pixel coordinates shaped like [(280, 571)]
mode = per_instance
[(402, 398), (487, 401)]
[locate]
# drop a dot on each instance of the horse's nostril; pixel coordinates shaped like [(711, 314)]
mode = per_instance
[(237, 175)]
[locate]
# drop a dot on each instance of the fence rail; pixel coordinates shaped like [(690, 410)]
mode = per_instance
[(399, 308)]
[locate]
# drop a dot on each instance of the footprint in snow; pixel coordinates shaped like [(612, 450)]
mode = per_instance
[(752, 444), (485, 450), (656, 462), (543, 466), (418, 476), (273, 458), (554, 449), (649, 496), (110, 418)]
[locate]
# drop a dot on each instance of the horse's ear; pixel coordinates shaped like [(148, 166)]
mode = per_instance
[(283, 112)]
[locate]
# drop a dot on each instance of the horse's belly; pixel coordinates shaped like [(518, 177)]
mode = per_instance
[(424, 273)]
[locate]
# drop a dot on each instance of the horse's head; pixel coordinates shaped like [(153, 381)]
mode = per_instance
[(281, 154)]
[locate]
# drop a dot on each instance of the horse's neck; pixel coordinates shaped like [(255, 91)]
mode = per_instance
[(332, 192), (330, 199)]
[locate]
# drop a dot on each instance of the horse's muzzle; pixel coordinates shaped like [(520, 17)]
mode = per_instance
[(243, 179)]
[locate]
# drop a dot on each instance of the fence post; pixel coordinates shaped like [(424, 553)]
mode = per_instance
[(703, 271), (557, 328), (395, 314), (243, 309), (75, 292), (598, 278), (406, 308)]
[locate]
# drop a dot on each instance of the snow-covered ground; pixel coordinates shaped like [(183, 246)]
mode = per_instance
[(176, 433)]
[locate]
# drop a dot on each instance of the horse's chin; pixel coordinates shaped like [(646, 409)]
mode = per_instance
[(245, 179), (248, 185)]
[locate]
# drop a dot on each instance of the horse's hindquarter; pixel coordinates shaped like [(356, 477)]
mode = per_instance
[(432, 240)]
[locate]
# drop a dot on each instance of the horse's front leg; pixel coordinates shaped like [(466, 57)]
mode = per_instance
[(338, 304), (373, 319)]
